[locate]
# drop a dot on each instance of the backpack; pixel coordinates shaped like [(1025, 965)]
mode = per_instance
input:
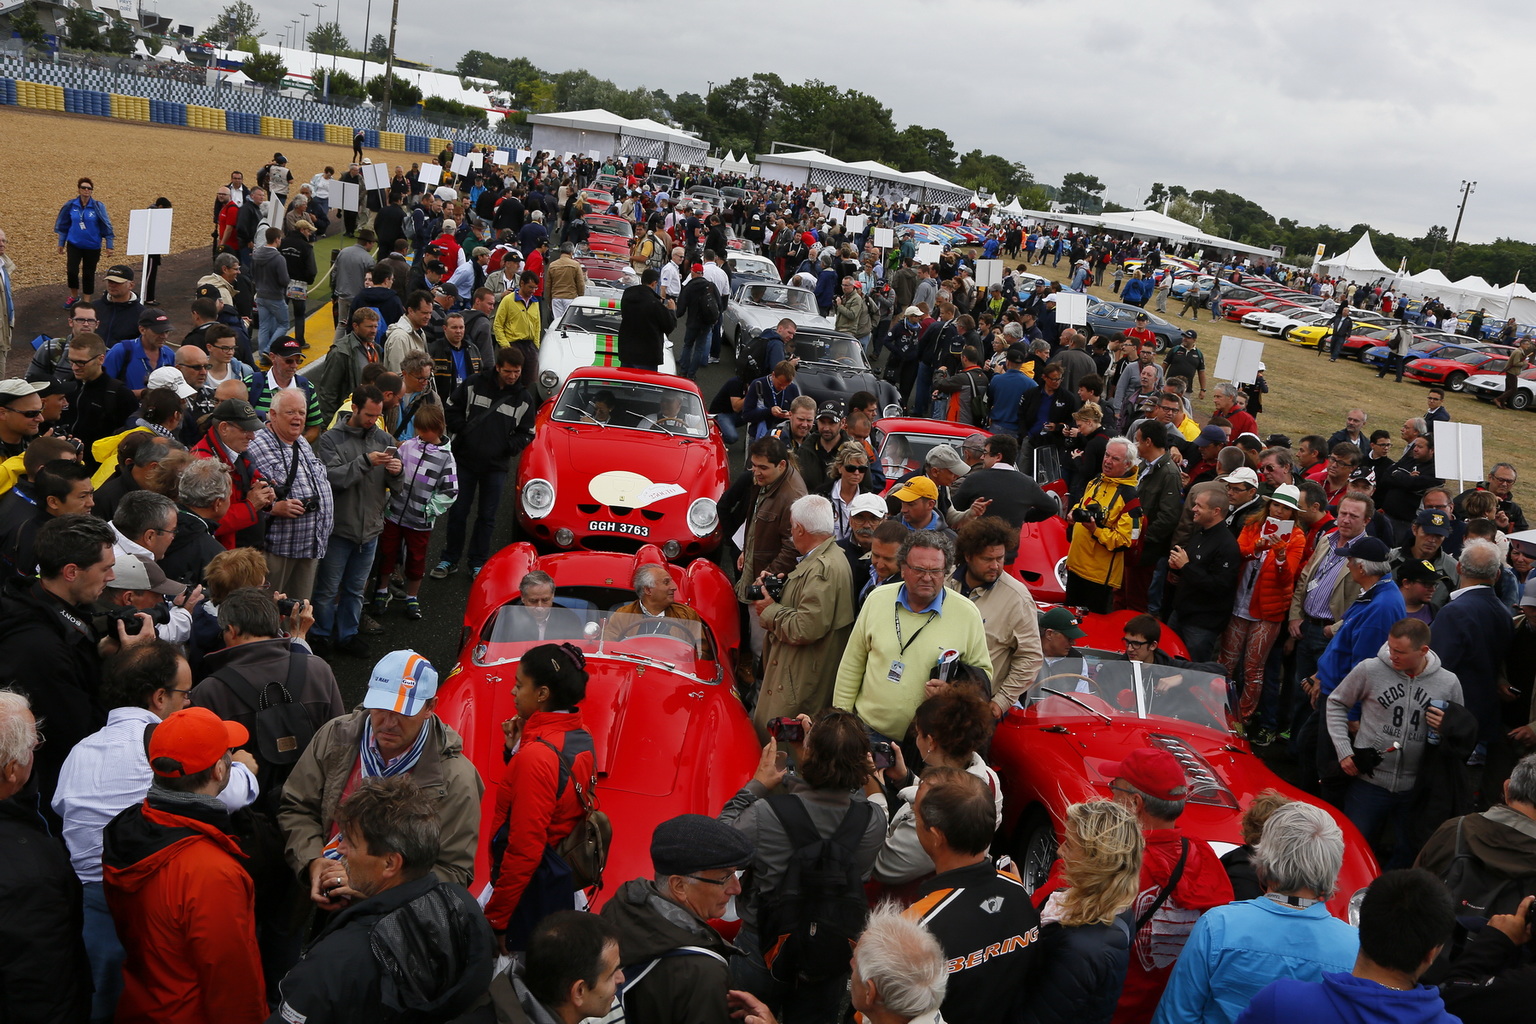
[(282, 725), (408, 227), (809, 924), (756, 364), (1480, 893), (709, 307), (263, 176), (585, 850)]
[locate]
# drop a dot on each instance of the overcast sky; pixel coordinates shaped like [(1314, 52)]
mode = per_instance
[(1322, 112)]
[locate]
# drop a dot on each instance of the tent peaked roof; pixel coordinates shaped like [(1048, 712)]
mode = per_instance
[(1431, 276), (1360, 257), (1013, 206)]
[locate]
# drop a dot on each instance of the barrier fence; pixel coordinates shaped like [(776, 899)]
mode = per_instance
[(39, 85)]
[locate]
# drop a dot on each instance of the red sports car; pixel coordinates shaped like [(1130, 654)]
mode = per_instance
[(622, 459), (597, 200), (609, 235), (1042, 559), (671, 737), (1452, 373), (1091, 710)]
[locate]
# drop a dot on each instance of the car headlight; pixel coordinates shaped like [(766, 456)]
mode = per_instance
[(564, 537), (671, 549), (1354, 907), (703, 517), (538, 498), (549, 380)]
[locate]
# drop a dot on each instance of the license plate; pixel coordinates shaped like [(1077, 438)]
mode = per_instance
[(630, 528)]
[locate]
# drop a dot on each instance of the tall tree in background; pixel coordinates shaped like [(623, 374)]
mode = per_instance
[(378, 47), (1082, 190), (329, 38), (236, 20)]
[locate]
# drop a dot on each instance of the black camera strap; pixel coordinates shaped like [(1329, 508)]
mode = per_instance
[(896, 617)]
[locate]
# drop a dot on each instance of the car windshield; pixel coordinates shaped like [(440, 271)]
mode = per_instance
[(751, 266), (780, 296), (814, 348), (1475, 358), (1103, 683), (632, 406), (900, 454), (611, 226), (592, 319), (515, 628)]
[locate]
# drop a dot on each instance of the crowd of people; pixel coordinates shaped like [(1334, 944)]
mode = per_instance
[(192, 529)]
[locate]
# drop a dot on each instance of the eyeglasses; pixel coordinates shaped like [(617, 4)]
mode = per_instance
[(931, 573), (30, 414), (1503, 479), (84, 362), (721, 882), (86, 188), (856, 469), (83, 320), (1136, 644), (1127, 790), (221, 348)]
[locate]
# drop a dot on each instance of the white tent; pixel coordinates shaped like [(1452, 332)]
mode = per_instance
[(238, 77), (1474, 285), (140, 50), (939, 192), (1014, 207), (170, 53), (1359, 263), (813, 169), (1151, 224)]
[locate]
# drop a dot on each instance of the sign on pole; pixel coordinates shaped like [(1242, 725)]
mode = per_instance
[(460, 164), (885, 238), (1238, 359), (856, 223), (1072, 308), (430, 174), (501, 157), (350, 193), (376, 176), (1459, 452), (929, 252), (149, 234), (476, 159), (835, 214), (988, 273)]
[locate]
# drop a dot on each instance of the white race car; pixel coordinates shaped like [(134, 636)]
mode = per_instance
[(1488, 386), (587, 335), (1278, 325)]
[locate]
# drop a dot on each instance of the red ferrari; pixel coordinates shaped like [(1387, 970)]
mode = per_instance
[(671, 737), (622, 459), (609, 235), (1090, 710)]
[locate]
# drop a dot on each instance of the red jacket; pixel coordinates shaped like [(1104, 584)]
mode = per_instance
[(527, 807), (1280, 565), (1203, 885), (184, 906), (242, 515)]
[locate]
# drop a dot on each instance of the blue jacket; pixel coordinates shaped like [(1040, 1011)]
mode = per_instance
[(1234, 951), (1345, 999), (1006, 390), (1365, 628), (84, 227), (826, 288), (1136, 291), (1472, 634), (128, 363)]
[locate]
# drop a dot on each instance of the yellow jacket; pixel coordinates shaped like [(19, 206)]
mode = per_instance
[(516, 321), (11, 470), (1097, 553), (105, 452)]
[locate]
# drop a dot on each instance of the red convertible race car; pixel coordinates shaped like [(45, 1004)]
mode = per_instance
[(1090, 710), (609, 235), (621, 459), (669, 733)]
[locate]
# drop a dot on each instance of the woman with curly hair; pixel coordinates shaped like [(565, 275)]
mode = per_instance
[(1085, 932), (550, 766), (952, 728)]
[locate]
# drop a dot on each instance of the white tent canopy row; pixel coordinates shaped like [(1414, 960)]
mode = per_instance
[(811, 167), (1359, 263), (1150, 224), (306, 64), (608, 134)]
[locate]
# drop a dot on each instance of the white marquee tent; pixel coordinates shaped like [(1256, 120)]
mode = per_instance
[(1359, 263), (1151, 224), (607, 134)]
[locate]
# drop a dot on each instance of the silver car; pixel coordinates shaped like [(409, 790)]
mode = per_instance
[(757, 306)]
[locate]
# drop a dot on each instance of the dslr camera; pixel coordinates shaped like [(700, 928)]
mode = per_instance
[(1090, 513), (772, 587), (106, 622)]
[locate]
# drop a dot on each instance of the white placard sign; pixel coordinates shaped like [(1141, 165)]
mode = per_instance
[(477, 159), (430, 174), (501, 158), (149, 232), (929, 252), (376, 176), (835, 214), (885, 238), (1459, 451), (595, 154), (523, 155), (988, 273), (1238, 359), (856, 223), (1072, 308), (460, 164), (817, 200), (350, 193)]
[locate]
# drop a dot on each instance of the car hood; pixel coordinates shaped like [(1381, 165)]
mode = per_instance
[(763, 317), (657, 458)]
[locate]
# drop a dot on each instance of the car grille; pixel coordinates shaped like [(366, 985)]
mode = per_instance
[(613, 542), (1205, 786), (619, 511)]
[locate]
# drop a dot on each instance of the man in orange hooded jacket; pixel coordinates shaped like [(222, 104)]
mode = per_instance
[(178, 889)]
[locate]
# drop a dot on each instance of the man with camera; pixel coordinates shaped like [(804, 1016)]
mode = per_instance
[(47, 622), (300, 519), (807, 615), (139, 585), (360, 460), (1105, 523)]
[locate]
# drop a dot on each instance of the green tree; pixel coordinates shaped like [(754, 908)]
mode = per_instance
[(247, 44), (236, 20), (266, 68), (119, 37), (402, 94), (81, 31), (25, 24), (329, 38), (342, 85), (1081, 190), (997, 174), (436, 104), (378, 47), (916, 148)]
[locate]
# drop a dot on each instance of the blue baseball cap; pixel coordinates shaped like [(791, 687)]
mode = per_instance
[(403, 682)]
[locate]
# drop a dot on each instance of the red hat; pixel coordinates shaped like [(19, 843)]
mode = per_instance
[(1154, 772), (194, 740), (698, 268)]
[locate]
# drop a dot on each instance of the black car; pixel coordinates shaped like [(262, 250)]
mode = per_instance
[(1111, 320), (833, 368)]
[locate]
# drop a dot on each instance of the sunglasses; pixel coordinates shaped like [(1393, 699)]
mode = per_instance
[(31, 414), (856, 469)]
